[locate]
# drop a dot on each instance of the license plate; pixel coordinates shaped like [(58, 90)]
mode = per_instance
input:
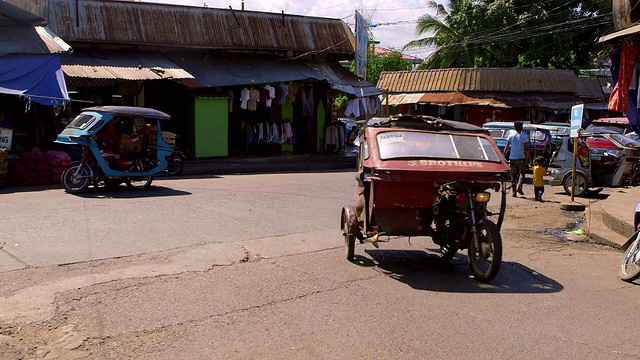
[(69, 131)]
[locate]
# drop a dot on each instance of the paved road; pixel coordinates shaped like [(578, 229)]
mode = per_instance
[(257, 271)]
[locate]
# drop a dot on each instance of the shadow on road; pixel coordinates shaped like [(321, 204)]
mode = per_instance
[(122, 192), (424, 270)]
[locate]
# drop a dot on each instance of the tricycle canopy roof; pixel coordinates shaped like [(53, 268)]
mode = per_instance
[(130, 111), (439, 149), (423, 122)]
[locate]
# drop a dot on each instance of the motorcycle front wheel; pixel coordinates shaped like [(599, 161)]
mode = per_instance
[(629, 267), (76, 177), (486, 256)]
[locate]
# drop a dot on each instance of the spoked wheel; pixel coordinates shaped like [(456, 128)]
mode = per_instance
[(485, 258), (138, 182), (630, 265), (76, 177), (349, 240), (581, 184)]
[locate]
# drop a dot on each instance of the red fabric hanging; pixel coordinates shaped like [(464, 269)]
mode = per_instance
[(619, 98)]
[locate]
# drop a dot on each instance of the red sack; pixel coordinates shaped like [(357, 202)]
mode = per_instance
[(28, 164), (58, 158), (42, 167), (57, 169)]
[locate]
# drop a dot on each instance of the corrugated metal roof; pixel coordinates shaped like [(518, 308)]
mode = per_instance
[(222, 70), (137, 65), (400, 99), (479, 79), (26, 39), (196, 27), (589, 87), (503, 99), (20, 16)]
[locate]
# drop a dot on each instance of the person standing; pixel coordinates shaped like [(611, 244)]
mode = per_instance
[(539, 172), (518, 141)]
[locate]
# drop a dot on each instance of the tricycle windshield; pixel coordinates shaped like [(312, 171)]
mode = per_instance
[(82, 121), (412, 144)]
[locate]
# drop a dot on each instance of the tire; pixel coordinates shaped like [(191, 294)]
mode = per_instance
[(76, 177), (349, 240), (630, 269), (635, 180), (175, 165), (581, 184), (138, 182), (485, 261)]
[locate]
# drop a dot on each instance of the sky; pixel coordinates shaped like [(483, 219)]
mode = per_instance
[(395, 19)]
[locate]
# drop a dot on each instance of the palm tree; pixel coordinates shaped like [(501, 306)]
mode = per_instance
[(447, 38)]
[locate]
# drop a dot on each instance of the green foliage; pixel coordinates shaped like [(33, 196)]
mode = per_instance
[(390, 61), (517, 33)]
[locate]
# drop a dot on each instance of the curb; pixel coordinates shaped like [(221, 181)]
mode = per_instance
[(598, 231)]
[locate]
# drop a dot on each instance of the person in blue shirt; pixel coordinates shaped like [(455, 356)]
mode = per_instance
[(518, 157)]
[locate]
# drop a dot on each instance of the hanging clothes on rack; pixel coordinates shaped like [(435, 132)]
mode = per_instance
[(254, 96), (244, 97)]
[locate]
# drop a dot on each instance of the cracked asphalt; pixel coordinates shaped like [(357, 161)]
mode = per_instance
[(253, 267)]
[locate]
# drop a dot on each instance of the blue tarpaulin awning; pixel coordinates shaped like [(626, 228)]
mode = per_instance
[(38, 77)]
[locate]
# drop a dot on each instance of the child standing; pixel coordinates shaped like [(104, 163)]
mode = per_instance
[(539, 172)]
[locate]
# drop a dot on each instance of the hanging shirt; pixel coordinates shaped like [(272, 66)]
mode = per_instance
[(271, 94), (307, 103), (254, 96), (284, 91), (244, 97)]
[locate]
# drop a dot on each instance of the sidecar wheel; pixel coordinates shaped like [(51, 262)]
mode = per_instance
[(485, 260), (629, 267), (76, 177), (349, 240), (138, 182), (581, 184)]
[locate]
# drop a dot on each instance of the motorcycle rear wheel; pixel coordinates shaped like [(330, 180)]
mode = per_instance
[(76, 177), (485, 259), (630, 269), (175, 166)]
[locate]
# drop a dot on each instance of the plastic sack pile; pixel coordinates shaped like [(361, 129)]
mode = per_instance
[(35, 168)]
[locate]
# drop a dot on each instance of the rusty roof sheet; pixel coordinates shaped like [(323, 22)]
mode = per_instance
[(95, 64), (115, 22), (589, 87), (479, 79), (32, 40), (18, 15), (502, 99)]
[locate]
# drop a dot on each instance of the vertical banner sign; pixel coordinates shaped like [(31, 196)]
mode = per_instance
[(362, 46), (576, 125), (576, 119)]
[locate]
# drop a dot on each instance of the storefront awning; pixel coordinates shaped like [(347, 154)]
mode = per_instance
[(223, 71), (121, 66), (632, 30), (38, 77), (401, 99), (552, 101)]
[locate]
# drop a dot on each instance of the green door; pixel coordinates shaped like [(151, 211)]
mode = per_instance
[(211, 127)]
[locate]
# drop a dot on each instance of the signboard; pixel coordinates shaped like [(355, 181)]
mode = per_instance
[(362, 46), (576, 119), (6, 135)]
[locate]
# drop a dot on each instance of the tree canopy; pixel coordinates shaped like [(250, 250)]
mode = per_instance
[(516, 33)]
